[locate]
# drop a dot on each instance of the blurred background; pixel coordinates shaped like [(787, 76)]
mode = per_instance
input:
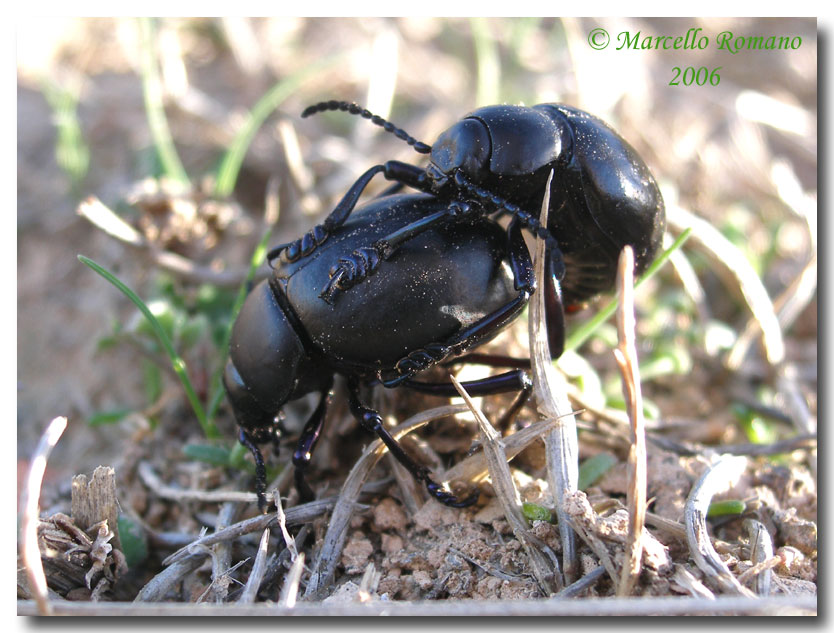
[(178, 125)]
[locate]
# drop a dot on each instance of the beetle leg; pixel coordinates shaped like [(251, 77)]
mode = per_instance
[(515, 380), (530, 221), (260, 469), (370, 420), (554, 310), (484, 328), (401, 173), (363, 262), (307, 444)]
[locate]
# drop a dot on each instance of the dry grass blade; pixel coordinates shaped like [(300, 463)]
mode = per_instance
[(282, 523), (29, 550), (626, 356), (678, 530), (158, 587), (689, 280), (787, 383), (761, 555), (294, 516), (222, 558), (733, 261), (289, 592), (474, 467), (324, 568), (410, 490), (715, 479), (253, 583), (587, 581), (686, 581), (369, 583), (152, 481), (561, 444), (788, 305), (507, 494)]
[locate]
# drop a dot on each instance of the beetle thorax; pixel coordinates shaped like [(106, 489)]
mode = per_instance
[(463, 147)]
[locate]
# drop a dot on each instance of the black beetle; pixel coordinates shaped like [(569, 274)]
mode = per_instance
[(428, 302), (446, 291), (603, 195)]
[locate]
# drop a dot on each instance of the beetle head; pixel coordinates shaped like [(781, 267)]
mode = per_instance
[(268, 364), (463, 147)]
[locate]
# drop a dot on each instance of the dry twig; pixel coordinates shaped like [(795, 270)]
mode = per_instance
[(761, 555), (282, 523), (294, 516), (161, 489), (714, 480), (30, 552), (157, 588), (561, 444), (222, 559), (290, 589), (626, 356), (253, 583)]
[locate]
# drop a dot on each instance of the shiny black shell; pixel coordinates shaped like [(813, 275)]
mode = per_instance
[(602, 197), (434, 285)]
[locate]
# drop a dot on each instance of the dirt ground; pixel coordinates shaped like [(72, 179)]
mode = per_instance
[(741, 155)]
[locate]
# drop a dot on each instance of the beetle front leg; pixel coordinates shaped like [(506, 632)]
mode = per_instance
[(364, 261), (401, 173), (371, 421), (260, 469), (307, 444)]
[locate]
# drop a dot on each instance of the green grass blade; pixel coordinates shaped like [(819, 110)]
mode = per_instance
[(593, 468), (584, 332), (488, 62), (71, 152), (176, 361), (154, 109), (229, 168)]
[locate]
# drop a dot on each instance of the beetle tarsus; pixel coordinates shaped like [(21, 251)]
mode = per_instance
[(260, 469), (352, 270), (371, 421)]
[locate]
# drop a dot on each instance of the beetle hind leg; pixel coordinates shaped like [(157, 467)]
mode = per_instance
[(371, 421)]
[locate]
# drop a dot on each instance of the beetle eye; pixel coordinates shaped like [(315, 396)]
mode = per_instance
[(465, 146)]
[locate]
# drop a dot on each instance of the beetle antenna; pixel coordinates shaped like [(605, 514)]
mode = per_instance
[(353, 108), (527, 219)]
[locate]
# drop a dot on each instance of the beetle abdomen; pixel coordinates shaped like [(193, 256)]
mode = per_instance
[(434, 285)]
